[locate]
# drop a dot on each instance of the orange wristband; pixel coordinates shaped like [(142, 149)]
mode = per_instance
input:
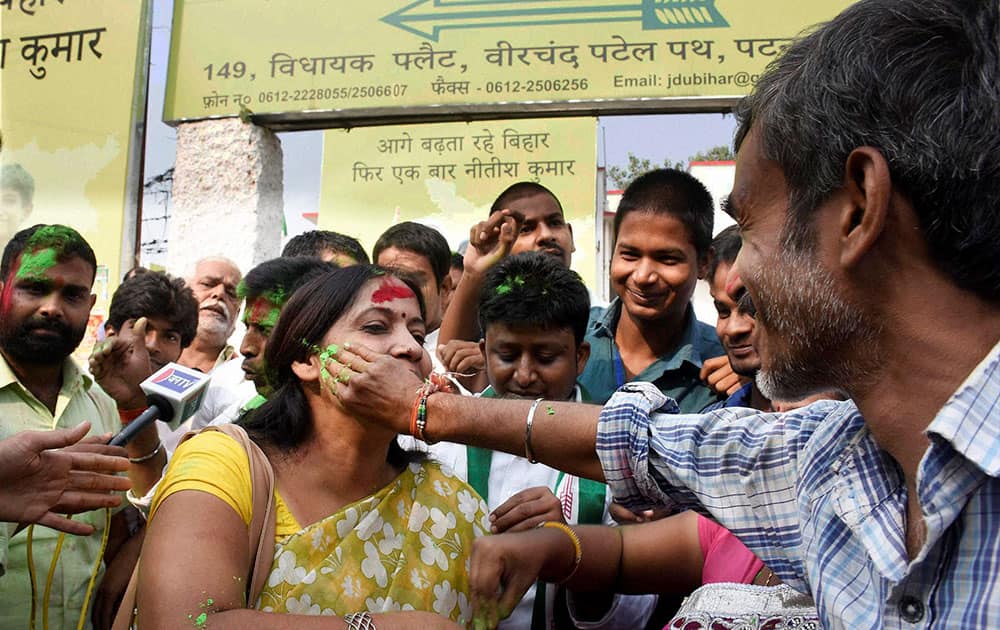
[(413, 413)]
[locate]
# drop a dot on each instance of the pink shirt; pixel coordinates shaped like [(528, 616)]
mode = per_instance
[(726, 558)]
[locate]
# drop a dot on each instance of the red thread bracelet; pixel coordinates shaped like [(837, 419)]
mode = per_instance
[(414, 411)]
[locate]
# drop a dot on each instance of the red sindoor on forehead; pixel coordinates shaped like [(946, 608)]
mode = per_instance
[(391, 289)]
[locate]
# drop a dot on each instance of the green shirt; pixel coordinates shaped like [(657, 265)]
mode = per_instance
[(79, 400), (677, 374)]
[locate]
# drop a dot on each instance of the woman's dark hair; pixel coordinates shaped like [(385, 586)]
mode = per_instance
[(285, 421)]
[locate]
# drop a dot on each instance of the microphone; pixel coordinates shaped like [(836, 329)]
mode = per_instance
[(173, 394)]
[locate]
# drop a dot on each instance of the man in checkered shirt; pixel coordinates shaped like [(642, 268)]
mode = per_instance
[(867, 193)]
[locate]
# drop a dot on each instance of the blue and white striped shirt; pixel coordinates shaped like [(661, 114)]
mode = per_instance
[(812, 495)]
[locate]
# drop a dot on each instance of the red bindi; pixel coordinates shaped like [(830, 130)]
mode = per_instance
[(390, 290)]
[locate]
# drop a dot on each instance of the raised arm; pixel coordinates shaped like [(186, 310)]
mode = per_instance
[(119, 364), (489, 242), (563, 435)]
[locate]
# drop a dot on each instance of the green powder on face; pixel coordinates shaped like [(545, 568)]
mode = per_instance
[(276, 296), (201, 621), (325, 355), (330, 352), (263, 313), (549, 410), (34, 264)]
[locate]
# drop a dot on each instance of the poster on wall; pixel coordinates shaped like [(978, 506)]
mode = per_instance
[(295, 63), (447, 176), (73, 92)]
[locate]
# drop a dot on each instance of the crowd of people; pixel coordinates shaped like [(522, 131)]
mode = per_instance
[(428, 439)]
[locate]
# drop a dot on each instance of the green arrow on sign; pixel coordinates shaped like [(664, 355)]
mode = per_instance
[(427, 18)]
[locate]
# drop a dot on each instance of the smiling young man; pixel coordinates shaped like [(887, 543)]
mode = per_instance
[(663, 228), (735, 325)]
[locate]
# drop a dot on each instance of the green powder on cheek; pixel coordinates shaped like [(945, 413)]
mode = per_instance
[(325, 356), (34, 264), (328, 353)]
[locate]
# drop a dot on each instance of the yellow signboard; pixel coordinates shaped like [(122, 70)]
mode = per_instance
[(314, 62), (68, 112), (447, 175)]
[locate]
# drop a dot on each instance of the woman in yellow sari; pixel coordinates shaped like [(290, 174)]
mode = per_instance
[(367, 535)]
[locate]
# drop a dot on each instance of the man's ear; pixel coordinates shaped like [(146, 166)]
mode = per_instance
[(862, 219), (582, 355), (447, 286), (572, 239), (109, 330), (482, 347), (703, 260)]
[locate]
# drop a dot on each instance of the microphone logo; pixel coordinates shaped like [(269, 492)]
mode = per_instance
[(176, 380)]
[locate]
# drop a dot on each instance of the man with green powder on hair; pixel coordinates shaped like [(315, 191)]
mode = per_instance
[(46, 276)]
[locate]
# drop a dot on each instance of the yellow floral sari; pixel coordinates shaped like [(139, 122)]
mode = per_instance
[(407, 547)]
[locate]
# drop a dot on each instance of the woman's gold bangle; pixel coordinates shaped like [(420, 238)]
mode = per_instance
[(577, 549)]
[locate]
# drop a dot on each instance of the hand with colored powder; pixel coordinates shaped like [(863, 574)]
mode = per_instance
[(362, 376)]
